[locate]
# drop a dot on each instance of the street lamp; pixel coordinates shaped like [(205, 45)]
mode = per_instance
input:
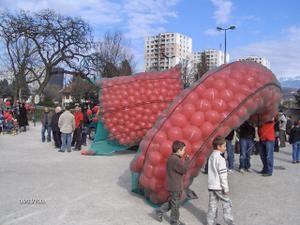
[(225, 29)]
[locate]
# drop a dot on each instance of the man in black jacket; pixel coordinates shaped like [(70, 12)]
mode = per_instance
[(55, 129), (294, 139), (246, 136)]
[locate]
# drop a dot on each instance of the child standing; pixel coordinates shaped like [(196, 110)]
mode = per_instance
[(176, 167), (218, 184)]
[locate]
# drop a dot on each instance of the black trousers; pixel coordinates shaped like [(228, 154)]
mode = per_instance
[(76, 141), (57, 138)]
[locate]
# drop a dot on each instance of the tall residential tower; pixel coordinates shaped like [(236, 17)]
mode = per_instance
[(166, 50)]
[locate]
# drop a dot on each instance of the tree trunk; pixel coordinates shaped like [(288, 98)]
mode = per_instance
[(45, 82), (20, 94)]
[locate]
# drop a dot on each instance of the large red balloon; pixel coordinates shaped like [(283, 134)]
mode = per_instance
[(155, 157), (197, 119), (203, 105), (179, 120), (166, 148), (160, 171), (175, 133), (188, 110), (192, 133)]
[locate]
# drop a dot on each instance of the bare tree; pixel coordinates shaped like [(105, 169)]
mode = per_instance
[(20, 53), (109, 57), (188, 71), (202, 67), (82, 89), (58, 40)]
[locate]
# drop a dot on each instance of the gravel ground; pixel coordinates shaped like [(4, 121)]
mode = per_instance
[(40, 186)]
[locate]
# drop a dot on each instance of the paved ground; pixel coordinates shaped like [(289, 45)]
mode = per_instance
[(95, 190)]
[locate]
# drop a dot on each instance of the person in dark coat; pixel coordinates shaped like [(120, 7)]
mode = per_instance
[(22, 119), (276, 128), (55, 129), (294, 139), (246, 135), (85, 124), (289, 126), (230, 151), (46, 124)]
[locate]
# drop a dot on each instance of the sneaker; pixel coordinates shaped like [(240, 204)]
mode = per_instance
[(242, 171), (294, 162), (262, 172), (158, 216), (297, 161), (267, 174), (61, 151), (229, 171), (178, 223), (249, 170)]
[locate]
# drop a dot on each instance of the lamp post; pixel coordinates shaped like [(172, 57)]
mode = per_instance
[(225, 29)]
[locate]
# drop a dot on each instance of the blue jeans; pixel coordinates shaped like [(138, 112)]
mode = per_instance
[(246, 146), (44, 129), (230, 154), (296, 151), (66, 141), (267, 156)]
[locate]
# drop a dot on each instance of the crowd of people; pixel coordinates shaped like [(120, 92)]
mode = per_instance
[(67, 129), (267, 138), (14, 117), (263, 140)]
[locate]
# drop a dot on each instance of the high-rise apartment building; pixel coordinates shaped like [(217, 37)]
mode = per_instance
[(257, 59), (166, 50), (213, 58)]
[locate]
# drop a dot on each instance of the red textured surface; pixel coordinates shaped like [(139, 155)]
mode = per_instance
[(131, 105), (220, 101)]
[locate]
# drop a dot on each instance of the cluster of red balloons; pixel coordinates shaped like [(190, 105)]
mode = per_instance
[(219, 102), (130, 105)]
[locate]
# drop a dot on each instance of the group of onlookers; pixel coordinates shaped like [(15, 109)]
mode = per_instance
[(68, 129), (264, 140), (13, 117)]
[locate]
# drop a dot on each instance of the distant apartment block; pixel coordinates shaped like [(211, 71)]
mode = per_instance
[(57, 77), (257, 59), (213, 58), (165, 50)]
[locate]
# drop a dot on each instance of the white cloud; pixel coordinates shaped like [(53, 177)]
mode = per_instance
[(135, 18), (223, 11), (222, 15), (212, 32), (283, 52), (94, 11), (148, 17)]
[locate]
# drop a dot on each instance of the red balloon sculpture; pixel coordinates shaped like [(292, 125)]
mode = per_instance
[(221, 101), (130, 105)]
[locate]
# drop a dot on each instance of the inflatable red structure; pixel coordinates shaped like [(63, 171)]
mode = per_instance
[(221, 101), (130, 105)]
